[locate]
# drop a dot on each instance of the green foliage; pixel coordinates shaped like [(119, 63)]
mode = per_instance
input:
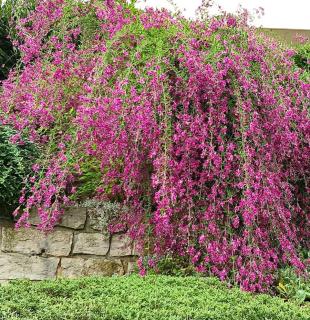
[(302, 59), (10, 12), (134, 298), (89, 180), (6, 48), (292, 286), (15, 165)]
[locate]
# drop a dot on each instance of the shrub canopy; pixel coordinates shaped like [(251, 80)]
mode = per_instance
[(199, 127)]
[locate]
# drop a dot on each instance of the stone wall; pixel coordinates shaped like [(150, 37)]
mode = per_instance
[(75, 248)]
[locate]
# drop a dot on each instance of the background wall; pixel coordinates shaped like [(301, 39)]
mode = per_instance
[(287, 36)]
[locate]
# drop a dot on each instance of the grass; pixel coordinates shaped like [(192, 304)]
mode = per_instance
[(133, 297)]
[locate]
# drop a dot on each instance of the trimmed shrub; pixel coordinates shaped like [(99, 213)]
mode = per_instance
[(134, 298)]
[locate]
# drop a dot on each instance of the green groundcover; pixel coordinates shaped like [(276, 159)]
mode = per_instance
[(133, 297)]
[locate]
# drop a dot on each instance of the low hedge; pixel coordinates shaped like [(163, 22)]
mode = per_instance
[(133, 297)]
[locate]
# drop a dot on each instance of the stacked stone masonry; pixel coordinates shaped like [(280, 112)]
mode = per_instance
[(72, 250)]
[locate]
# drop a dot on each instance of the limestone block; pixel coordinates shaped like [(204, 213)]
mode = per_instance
[(18, 266), (77, 267), (136, 250), (91, 243), (94, 219), (32, 241), (74, 218), (101, 213), (121, 246), (34, 219)]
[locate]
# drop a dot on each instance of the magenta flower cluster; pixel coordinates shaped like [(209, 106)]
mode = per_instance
[(200, 128)]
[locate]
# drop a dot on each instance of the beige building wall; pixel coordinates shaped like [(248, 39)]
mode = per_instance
[(287, 36)]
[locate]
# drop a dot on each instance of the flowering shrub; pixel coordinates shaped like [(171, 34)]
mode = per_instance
[(200, 128)]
